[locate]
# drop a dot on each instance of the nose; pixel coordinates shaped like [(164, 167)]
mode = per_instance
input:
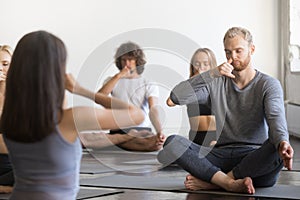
[(201, 66), (127, 62), (233, 55)]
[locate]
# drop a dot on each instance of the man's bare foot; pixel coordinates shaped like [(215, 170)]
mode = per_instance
[(193, 183), (148, 140), (146, 144), (5, 189), (149, 143), (244, 185), (160, 139), (102, 139), (229, 183)]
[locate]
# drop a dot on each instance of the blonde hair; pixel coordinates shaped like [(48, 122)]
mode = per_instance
[(234, 31), (211, 57), (6, 48)]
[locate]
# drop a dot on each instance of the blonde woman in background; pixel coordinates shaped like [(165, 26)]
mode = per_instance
[(5, 58), (6, 173), (202, 122)]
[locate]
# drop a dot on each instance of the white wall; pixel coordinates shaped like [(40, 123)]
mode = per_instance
[(94, 26)]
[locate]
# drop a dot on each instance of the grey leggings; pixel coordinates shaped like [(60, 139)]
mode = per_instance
[(262, 165)]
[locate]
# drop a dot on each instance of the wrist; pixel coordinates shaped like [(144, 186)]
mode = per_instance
[(215, 73), (118, 75), (282, 145), (78, 90)]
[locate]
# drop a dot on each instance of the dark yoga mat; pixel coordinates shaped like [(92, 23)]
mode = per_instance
[(176, 184), (4, 196), (83, 193), (296, 165), (289, 178), (91, 193), (275, 192)]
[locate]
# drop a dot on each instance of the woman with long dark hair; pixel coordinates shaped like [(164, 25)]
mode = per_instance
[(42, 137)]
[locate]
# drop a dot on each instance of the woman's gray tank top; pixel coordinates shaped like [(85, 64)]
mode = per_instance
[(47, 169)]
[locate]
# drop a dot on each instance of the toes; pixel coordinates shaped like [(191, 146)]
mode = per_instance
[(189, 177)]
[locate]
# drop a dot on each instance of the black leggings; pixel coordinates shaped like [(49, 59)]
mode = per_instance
[(202, 137), (6, 171), (126, 130)]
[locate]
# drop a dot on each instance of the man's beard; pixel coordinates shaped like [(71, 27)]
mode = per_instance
[(242, 65)]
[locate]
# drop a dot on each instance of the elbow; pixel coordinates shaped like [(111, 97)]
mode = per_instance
[(170, 103), (104, 92), (173, 100)]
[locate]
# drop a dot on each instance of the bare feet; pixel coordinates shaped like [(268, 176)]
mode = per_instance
[(229, 183), (147, 143), (135, 140), (143, 141), (193, 183), (102, 139), (5, 189), (240, 185), (244, 185), (160, 139)]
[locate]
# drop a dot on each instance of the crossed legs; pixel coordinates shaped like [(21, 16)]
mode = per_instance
[(227, 168), (134, 140)]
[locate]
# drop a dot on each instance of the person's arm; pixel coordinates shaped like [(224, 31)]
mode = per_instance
[(118, 113), (276, 120), (195, 89), (286, 152), (3, 149), (155, 117), (275, 111), (169, 102), (191, 90), (99, 98), (109, 85), (65, 102)]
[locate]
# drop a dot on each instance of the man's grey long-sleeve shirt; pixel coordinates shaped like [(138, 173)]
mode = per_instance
[(247, 116)]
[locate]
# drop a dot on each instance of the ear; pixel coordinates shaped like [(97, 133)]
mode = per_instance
[(252, 49)]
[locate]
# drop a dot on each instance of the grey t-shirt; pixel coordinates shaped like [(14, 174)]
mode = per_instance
[(247, 116)]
